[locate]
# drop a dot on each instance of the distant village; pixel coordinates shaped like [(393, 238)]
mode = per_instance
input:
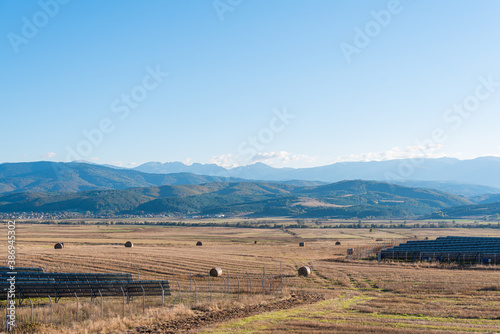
[(75, 215)]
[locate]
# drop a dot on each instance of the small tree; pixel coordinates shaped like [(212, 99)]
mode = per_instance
[(301, 222)]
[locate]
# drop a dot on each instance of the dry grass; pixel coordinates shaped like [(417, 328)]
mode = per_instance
[(94, 324), (375, 297)]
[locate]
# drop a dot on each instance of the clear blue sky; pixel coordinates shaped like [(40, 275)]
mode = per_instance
[(67, 69)]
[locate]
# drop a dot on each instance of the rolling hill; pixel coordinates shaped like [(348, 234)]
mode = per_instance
[(75, 177), (355, 198), (476, 210), (80, 176), (61, 177)]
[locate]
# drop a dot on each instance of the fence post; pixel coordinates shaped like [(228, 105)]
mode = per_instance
[(50, 299), (249, 281), (281, 275), (195, 292), (101, 301), (77, 302), (272, 277), (162, 295), (225, 288), (210, 287), (264, 280), (123, 292), (179, 295), (143, 300), (238, 292), (271, 284)]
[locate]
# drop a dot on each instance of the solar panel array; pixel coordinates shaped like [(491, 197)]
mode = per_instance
[(30, 283), (22, 269), (456, 249)]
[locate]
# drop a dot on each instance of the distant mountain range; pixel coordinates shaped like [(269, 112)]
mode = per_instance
[(78, 176), (344, 199), (481, 171), (80, 187), (472, 191)]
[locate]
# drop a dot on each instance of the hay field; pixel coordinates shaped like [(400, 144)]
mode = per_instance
[(360, 296)]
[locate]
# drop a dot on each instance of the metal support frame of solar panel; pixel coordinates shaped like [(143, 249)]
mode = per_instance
[(443, 257), (73, 276), (60, 289)]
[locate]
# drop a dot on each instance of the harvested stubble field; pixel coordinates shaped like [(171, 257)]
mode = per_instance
[(339, 297)]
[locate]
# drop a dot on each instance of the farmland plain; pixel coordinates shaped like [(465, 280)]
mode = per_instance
[(355, 295)]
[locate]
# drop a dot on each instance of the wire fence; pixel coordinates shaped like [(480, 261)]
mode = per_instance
[(371, 251), (187, 289)]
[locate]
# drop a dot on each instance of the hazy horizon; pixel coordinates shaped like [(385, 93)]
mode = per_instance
[(416, 159)]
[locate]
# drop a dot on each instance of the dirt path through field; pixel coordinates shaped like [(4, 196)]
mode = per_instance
[(209, 318)]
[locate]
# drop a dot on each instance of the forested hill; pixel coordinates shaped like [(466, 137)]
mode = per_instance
[(46, 176), (354, 198)]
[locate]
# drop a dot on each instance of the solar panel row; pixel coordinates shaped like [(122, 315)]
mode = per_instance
[(59, 289), (460, 249), (20, 276), (21, 269), (34, 283)]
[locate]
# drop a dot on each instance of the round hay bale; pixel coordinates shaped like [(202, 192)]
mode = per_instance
[(337, 243), (301, 244), (216, 272), (304, 271), (59, 245), (129, 244), (199, 243)]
